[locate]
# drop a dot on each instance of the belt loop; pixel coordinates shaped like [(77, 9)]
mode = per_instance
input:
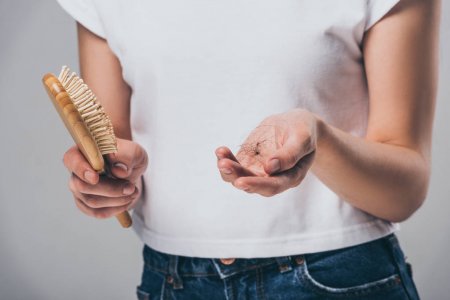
[(284, 263), (174, 277)]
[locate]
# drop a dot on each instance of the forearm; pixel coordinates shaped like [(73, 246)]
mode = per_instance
[(385, 180), (386, 173)]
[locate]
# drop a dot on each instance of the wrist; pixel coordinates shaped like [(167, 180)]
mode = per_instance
[(322, 129)]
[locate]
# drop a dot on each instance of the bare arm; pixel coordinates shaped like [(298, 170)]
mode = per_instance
[(386, 173), (102, 196), (102, 71)]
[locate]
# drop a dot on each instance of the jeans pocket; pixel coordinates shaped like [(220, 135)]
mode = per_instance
[(352, 272), (357, 291)]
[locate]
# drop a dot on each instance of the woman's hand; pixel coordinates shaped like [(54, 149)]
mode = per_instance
[(276, 155), (106, 196)]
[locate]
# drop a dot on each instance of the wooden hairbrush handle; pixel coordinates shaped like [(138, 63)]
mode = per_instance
[(79, 131)]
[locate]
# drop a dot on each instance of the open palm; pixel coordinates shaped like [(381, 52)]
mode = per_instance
[(275, 156)]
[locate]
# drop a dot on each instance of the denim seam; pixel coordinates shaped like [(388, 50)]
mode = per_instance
[(142, 293), (394, 247), (259, 284), (199, 275), (228, 285), (163, 290)]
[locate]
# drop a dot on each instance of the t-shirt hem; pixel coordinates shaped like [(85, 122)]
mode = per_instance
[(266, 247)]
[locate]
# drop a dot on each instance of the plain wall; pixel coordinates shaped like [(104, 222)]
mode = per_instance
[(49, 250)]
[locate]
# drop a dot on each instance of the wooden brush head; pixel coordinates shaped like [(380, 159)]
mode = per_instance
[(83, 116)]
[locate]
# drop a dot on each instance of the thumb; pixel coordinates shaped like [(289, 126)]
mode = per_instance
[(129, 162), (288, 155)]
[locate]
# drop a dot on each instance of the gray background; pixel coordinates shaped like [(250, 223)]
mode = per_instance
[(48, 250)]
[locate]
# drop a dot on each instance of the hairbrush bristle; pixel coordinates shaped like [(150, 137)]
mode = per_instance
[(91, 111)]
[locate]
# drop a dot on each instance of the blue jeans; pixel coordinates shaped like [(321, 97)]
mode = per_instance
[(374, 270)]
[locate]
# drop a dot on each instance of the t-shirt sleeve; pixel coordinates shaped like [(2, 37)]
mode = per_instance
[(377, 9), (84, 12)]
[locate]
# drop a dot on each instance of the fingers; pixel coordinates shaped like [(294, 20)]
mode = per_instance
[(225, 152), (231, 170), (289, 154), (103, 196), (229, 167), (100, 213), (77, 164), (91, 199), (265, 186), (242, 178), (106, 198), (272, 185), (130, 162), (106, 186), (95, 201)]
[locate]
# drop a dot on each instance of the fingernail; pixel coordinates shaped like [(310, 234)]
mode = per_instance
[(241, 186), (129, 189), (90, 176), (121, 166), (274, 165), (244, 188), (226, 171)]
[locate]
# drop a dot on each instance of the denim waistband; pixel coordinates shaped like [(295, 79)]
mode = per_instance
[(177, 266)]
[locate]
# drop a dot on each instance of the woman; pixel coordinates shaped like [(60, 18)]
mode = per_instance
[(340, 97)]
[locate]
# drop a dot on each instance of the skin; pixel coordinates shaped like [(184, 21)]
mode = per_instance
[(101, 196), (385, 173)]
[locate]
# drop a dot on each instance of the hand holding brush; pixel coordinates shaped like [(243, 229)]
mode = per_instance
[(106, 196), (115, 191)]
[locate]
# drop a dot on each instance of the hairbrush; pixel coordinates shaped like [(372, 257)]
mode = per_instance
[(86, 120)]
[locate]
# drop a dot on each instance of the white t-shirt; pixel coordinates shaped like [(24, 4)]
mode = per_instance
[(204, 74)]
